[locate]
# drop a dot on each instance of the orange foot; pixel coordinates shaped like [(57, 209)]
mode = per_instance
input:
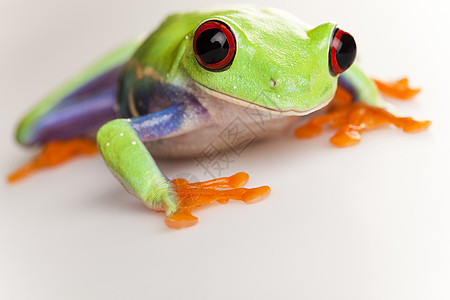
[(351, 119), (53, 154), (398, 89), (192, 195)]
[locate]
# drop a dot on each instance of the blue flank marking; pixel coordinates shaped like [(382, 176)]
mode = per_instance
[(105, 81), (159, 124), (75, 117)]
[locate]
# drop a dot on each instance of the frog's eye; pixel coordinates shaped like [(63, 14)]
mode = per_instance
[(214, 45), (342, 52)]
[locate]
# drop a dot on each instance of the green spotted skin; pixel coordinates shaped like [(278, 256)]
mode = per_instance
[(134, 167), (298, 62), (292, 73)]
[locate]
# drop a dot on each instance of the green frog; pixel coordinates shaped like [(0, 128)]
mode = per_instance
[(174, 92)]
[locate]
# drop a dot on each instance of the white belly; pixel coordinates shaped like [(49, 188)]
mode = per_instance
[(236, 127)]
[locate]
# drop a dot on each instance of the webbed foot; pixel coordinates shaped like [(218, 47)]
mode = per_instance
[(53, 154), (398, 89), (192, 195), (351, 118)]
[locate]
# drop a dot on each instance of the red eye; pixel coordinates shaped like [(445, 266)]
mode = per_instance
[(342, 52), (214, 45)]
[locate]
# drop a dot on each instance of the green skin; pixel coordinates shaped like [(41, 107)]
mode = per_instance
[(297, 62)]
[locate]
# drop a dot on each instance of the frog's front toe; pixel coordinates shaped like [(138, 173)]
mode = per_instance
[(352, 119), (399, 89), (192, 195)]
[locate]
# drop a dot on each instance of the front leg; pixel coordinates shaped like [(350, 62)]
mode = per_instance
[(131, 163), (121, 142), (358, 106)]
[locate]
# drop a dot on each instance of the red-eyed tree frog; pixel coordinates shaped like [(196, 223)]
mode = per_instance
[(176, 91)]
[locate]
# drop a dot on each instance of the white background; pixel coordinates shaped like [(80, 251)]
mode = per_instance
[(367, 222)]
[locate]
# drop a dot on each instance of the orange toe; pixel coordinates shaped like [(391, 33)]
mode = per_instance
[(346, 136), (352, 119), (181, 219), (411, 125), (53, 154), (398, 89), (221, 190), (255, 195)]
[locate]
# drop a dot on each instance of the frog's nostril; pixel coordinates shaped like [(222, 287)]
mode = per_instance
[(273, 82), (342, 52)]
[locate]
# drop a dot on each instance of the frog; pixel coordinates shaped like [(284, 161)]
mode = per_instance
[(173, 92)]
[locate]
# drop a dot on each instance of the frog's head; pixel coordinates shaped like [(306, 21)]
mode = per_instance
[(267, 58)]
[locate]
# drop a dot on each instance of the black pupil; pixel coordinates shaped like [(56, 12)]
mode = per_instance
[(346, 51), (212, 46)]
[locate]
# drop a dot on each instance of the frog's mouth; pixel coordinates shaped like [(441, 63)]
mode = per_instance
[(249, 104)]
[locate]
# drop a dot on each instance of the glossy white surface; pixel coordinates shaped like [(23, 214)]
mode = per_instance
[(368, 222)]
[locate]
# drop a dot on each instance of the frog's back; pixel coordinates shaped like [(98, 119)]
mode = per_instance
[(144, 84), (153, 74)]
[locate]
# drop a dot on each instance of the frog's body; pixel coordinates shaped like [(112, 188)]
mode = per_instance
[(160, 95)]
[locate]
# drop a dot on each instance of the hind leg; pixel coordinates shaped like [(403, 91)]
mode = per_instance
[(66, 130), (66, 121), (73, 118), (100, 77)]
